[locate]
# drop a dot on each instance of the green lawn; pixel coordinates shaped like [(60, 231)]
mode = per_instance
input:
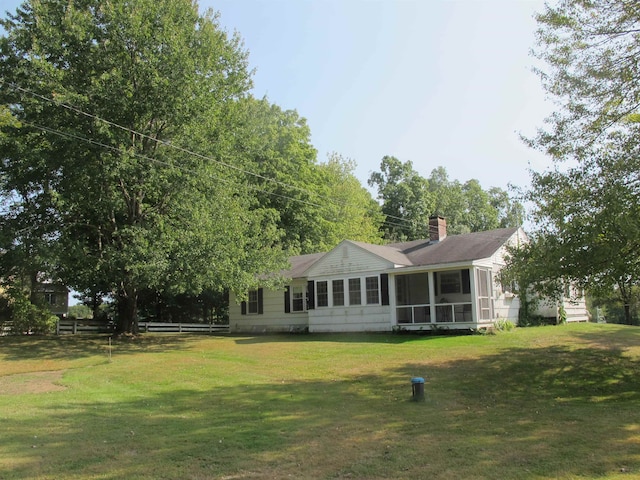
[(548, 402)]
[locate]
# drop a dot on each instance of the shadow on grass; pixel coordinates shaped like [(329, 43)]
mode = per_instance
[(69, 347), (382, 337), (625, 336), (541, 412)]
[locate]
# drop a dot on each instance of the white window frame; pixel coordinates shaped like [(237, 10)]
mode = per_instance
[(324, 295), (333, 292), (298, 293), (356, 293), (371, 290), (252, 302)]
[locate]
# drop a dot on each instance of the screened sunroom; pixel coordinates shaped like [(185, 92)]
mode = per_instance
[(443, 297)]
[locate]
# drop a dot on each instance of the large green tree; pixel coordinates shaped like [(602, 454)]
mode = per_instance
[(318, 204), (348, 209), (116, 174), (588, 225), (586, 206), (406, 200)]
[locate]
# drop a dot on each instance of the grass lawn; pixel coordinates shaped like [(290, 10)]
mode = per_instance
[(547, 402)]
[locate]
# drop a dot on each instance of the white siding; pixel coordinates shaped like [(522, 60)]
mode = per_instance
[(576, 310), (273, 318), (371, 318), (505, 305), (347, 259)]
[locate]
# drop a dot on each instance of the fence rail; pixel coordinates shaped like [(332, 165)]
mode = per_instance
[(74, 327), (158, 327)]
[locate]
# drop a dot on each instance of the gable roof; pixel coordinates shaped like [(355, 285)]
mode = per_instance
[(451, 249)]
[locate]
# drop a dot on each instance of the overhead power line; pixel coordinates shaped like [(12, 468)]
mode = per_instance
[(390, 220)]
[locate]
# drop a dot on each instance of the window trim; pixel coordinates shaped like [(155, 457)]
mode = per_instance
[(367, 290), (334, 291), (244, 305), (322, 297), (298, 293), (353, 293)]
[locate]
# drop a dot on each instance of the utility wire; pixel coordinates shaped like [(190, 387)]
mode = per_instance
[(201, 156), (398, 221)]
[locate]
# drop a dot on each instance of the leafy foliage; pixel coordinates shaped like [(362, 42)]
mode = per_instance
[(317, 204), (113, 177), (587, 206), (590, 49), (408, 200), (23, 316)]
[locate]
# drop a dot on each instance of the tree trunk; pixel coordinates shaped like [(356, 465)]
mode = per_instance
[(128, 311), (627, 314)]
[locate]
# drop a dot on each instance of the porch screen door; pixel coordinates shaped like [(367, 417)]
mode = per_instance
[(485, 306)]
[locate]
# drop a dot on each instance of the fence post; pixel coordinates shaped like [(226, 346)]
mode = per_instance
[(75, 327), (58, 327)]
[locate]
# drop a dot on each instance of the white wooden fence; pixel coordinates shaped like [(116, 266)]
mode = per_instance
[(64, 327), (158, 327), (74, 327)]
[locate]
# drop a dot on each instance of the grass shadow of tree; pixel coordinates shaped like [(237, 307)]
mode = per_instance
[(524, 413), (69, 347)]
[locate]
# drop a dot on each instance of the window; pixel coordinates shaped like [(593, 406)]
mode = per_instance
[(338, 292), (373, 295), (450, 282), (297, 298), (252, 304), (355, 297), (322, 294), (509, 287), (50, 298)]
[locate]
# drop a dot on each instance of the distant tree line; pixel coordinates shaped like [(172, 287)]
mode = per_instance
[(408, 200)]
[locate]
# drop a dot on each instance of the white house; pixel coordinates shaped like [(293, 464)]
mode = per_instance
[(444, 282)]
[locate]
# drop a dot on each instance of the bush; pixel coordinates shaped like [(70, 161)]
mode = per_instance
[(25, 317), (503, 325)]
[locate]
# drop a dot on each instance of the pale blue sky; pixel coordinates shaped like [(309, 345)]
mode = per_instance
[(437, 82)]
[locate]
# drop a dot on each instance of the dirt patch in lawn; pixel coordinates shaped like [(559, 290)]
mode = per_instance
[(35, 382)]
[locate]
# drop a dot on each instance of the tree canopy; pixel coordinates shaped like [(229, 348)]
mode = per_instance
[(116, 174), (590, 50), (408, 200), (586, 207), (137, 165)]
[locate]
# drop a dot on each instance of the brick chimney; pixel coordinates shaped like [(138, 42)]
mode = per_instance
[(437, 228)]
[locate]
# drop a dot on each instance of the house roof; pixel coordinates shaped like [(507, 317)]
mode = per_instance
[(392, 254), (451, 249), (300, 263), (456, 248)]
